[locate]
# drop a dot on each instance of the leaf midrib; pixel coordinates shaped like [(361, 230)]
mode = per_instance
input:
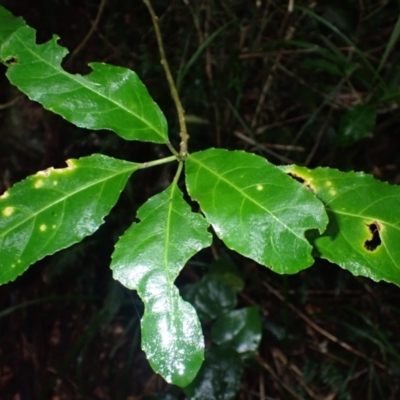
[(350, 243), (70, 77), (64, 198), (249, 198), (363, 217), (167, 236)]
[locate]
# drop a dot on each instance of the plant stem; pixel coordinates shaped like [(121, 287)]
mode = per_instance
[(174, 92), (90, 33), (165, 160), (178, 172), (172, 149)]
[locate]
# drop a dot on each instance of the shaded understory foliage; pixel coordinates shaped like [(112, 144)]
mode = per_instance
[(282, 85)]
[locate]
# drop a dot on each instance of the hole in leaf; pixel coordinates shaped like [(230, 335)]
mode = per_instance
[(302, 181), (375, 241), (296, 177), (11, 60)]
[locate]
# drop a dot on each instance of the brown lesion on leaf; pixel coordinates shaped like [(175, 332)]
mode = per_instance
[(303, 181), (11, 61), (375, 241)]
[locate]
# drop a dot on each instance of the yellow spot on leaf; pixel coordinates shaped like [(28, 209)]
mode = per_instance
[(42, 227), (55, 183), (8, 211), (328, 183), (333, 192), (46, 172), (38, 184), (70, 164), (4, 195), (54, 226), (260, 187)]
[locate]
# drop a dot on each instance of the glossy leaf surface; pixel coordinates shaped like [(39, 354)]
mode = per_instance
[(255, 208), (363, 233), (239, 329), (8, 24), (211, 296), (216, 292), (110, 97), (219, 377), (56, 208), (148, 258)]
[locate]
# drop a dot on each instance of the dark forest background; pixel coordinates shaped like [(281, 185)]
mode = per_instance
[(251, 76)]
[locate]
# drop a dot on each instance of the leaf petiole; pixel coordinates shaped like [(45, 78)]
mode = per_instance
[(161, 161), (178, 172)]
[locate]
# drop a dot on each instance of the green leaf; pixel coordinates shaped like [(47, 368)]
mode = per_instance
[(56, 208), (321, 65), (255, 208), (219, 377), (148, 258), (216, 292), (356, 124), (341, 35), (211, 296), (363, 233), (110, 97), (239, 329), (224, 269), (182, 72), (390, 95), (390, 44), (8, 24)]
